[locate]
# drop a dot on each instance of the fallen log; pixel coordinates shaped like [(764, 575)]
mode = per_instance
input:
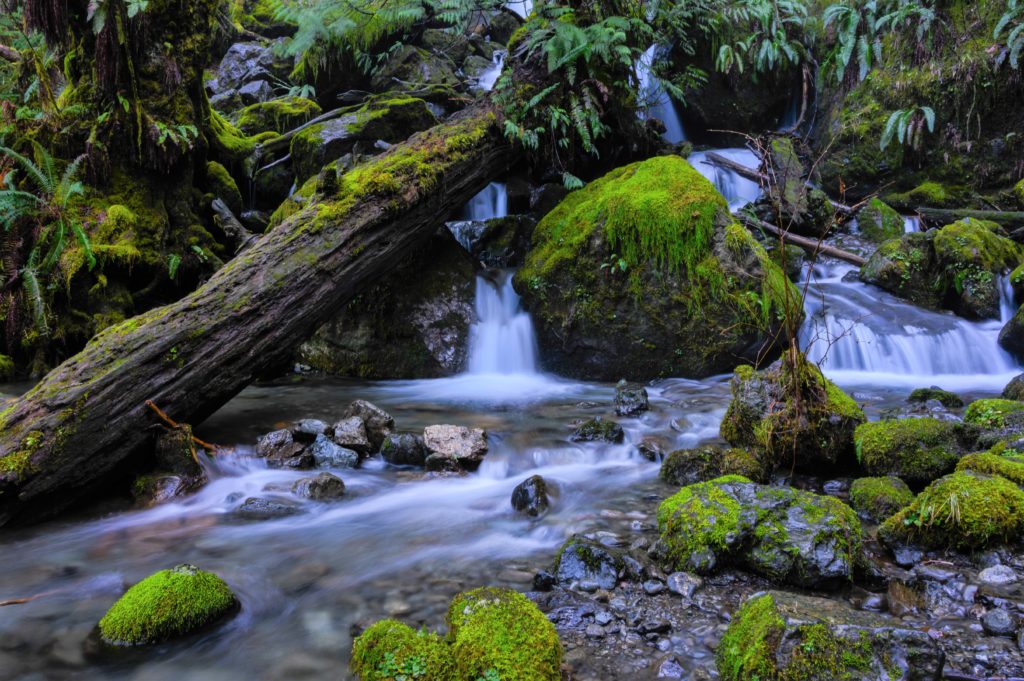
[(88, 417), (946, 216), (812, 246)]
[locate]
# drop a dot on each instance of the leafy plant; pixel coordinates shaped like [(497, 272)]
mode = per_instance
[(858, 27), (1011, 23), (763, 35), (907, 126)]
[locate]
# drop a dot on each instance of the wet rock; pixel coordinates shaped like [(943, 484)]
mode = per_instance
[(452, 448), (781, 635), (256, 92), (652, 587), (497, 242), (404, 449), (684, 584), (878, 498), (999, 622), (997, 575), (243, 64), (377, 422), (415, 68), (580, 561), (669, 668), (502, 26), (258, 508), (544, 581), (278, 444), (323, 487), (811, 541), (944, 397), (688, 466), (307, 430), (598, 430), (652, 449), (326, 454), (1014, 390), (150, 490), (530, 497), (350, 433), (546, 197), (630, 400), (916, 450)]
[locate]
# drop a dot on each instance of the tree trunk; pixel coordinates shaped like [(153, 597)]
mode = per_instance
[(945, 216), (88, 417)]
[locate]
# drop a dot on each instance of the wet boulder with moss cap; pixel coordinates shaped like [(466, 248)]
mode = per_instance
[(878, 498), (643, 273), (917, 450), (167, 605)]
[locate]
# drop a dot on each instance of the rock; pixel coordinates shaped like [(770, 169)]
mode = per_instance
[(414, 68), (653, 587), (1014, 390), (785, 534), (661, 218), (546, 198), (777, 635), (258, 508), (544, 581), (917, 450), (220, 183), (581, 560), (598, 430), (999, 622), (404, 449), (878, 222), (945, 398), (246, 63), (323, 487), (530, 497), (270, 187), (688, 466), (351, 433), (502, 25), (989, 511), (651, 448), (803, 209), (906, 267), (255, 92), (1009, 465), (377, 422), (167, 605), (446, 43), (326, 454), (630, 400), (762, 415), (279, 115), (684, 584), (1011, 337), (281, 450), (498, 242), (878, 498), (308, 430), (997, 575), (453, 448), (992, 413)]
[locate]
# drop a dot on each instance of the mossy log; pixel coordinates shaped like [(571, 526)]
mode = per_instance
[(946, 216), (88, 417)]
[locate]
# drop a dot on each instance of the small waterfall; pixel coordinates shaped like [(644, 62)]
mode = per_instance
[(491, 202), (659, 104), (1007, 305), (737, 190), (911, 223), (521, 7), (502, 340), (792, 113), (489, 77)]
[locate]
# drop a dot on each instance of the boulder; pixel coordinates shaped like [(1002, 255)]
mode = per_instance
[(327, 454), (307, 430), (1014, 390), (413, 68), (404, 449), (377, 422), (255, 92), (630, 400), (907, 267), (580, 561), (688, 466), (785, 534), (878, 498), (946, 398), (167, 605), (243, 64), (502, 25), (530, 497), (1011, 336), (281, 450), (454, 448), (671, 285), (917, 450), (993, 413), (450, 44), (781, 635), (220, 183), (279, 115), (498, 242), (598, 430), (803, 209), (351, 433), (323, 487), (1001, 461), (878, 222), (259, 508)]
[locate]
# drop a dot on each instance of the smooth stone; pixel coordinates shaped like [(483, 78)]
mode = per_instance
[(999, 622), (653, 588), (329, 455), (907, 556), (322, 487), (258, 508), (684, 584), (998, 575), (350, 433), (530, 497)]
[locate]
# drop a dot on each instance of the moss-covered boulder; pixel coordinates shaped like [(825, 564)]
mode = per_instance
[(688, 466), (414, 323), (414, 68), (1014, 390), (222, 186), (390, 650), (878, 498), (781, 636), (785, 534), (991, 413), (797, 416), (917, 450), (963, 511), (167, 605), (879, 222), (803, 209), (1011, 336), (277, 115), (643, 274), (581, 560), (944, 397), (907, 267), (1006, 463)]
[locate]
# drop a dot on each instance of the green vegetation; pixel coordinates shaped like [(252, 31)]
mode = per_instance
[(991, 413), (879, 498), (918, 450), (946, 398), (1006, 463), (700, 519), (390, 650), (878, 222)]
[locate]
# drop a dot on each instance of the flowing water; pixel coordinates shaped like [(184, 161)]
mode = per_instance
[(659, 104), (489, 77), (737, 190), (491, 202)]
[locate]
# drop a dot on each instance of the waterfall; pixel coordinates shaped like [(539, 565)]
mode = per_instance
[(489, 77), (792, 113), (911, 223), (521, 7), (501, 340), (491, 202), (737, 190), (1007, 305), (659, 104)]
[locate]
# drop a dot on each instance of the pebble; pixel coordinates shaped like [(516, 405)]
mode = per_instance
[(999, 622), (997, 575), (603, 617), (595, 631), (684, 584), (907, 557), (670, 669), (589, 586), (653, 588)]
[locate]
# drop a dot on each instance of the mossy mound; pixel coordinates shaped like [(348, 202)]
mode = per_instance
[(1014, 390), (878, 498), (991, 413), (390, 650), (813, 431), (879, 222), (1006, 463), (689, 466), (907, 267), (945, 398), (963, 511), (166, 605), (785, 534), (915, 450), (220, 183), (278, 115), (643, 274)]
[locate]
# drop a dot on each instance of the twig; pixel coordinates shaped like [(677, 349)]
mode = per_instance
[(171, 423)]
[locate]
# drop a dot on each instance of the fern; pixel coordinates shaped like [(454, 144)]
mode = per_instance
[(907, 126), (1011, 23)]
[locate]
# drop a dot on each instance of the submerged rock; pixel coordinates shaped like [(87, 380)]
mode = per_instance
[(917, 450), (778, 635), (323, 487), (258, 508), (785, 534), (630, 400), (580, 561), (598, 430), (688, 466), (167, 605), (530, 497), (404, 449), (454, 448)]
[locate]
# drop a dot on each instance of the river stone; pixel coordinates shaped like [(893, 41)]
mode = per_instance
[(454, 448), (999, 622), (404, 449), (258, 508), (329, 455), (997, 575), (323, 487), (276, 444), (581, 560), (530, 497), (351, 433), (630, 400), (598, 430), (1014, 390), (307, 430), (689, 466), (684, 584), (783, 635), (377, 422)]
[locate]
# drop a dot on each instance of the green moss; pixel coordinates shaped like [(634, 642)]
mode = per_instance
[(916, 450), (1018, 193), (390, 650), (878, 222), (502, 633), (746, 650), (688, 466), (220, 183), (6, 368), (963, 511), (946, 398), (166, 605), (991, 413), (977, 243), (698, 519), (931, 195), (278, 115), (879, 498), (1009, 465)]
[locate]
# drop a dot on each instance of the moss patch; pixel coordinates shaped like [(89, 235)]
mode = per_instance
[(946, 398), (390, 650), (916, 450), (1006, 463), (879, 498), (689, 466), (878, 222), (278, 115), (991, 413)]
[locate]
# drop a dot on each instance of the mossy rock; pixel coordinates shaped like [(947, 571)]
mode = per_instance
[(878, 498), (277, 115), (416, 68), (1014, 390), (764, 415), (220, 183), (917, 450), (689, 466), (778, 636), (1006, 463), (945, 398), (972, 254), (964, 511), (931, 194), (908, 268), (501, 633), (167, 605), (389, 650), (991, 413), (6, 368), (582, 560), (1018, 193), (785, 534), (878, 222), (643, 274)]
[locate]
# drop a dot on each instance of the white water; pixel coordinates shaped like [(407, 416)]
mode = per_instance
[(489, 77), (861, 335), (1007, 304), (521, 7), (737, 190), (658, 103), (502, 340), (911, 223), (491, 202)]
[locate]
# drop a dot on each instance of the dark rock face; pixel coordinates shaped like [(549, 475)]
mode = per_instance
[(581, 561), (688, 466), (1011, 338), (498, 242), (281, 450), (258, 508), (530, 497), (351, 433), (630, 400), (244, 76), (598, 430), (323, 487), (1014, 390), (414, 68), (413, 324), (327, 454), (404, 449)]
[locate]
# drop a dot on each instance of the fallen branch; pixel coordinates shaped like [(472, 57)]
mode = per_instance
[(241, 238), (810, 245), (1008, 219), (171, 423)]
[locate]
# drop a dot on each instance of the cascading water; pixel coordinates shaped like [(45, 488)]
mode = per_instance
[(911, 223), (521, 7), (489, 77), (502, 340), (491, 202), (737, 190), (1007, 303), (659, 104)]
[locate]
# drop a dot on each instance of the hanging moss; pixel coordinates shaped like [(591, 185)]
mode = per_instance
[(277, 115)]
